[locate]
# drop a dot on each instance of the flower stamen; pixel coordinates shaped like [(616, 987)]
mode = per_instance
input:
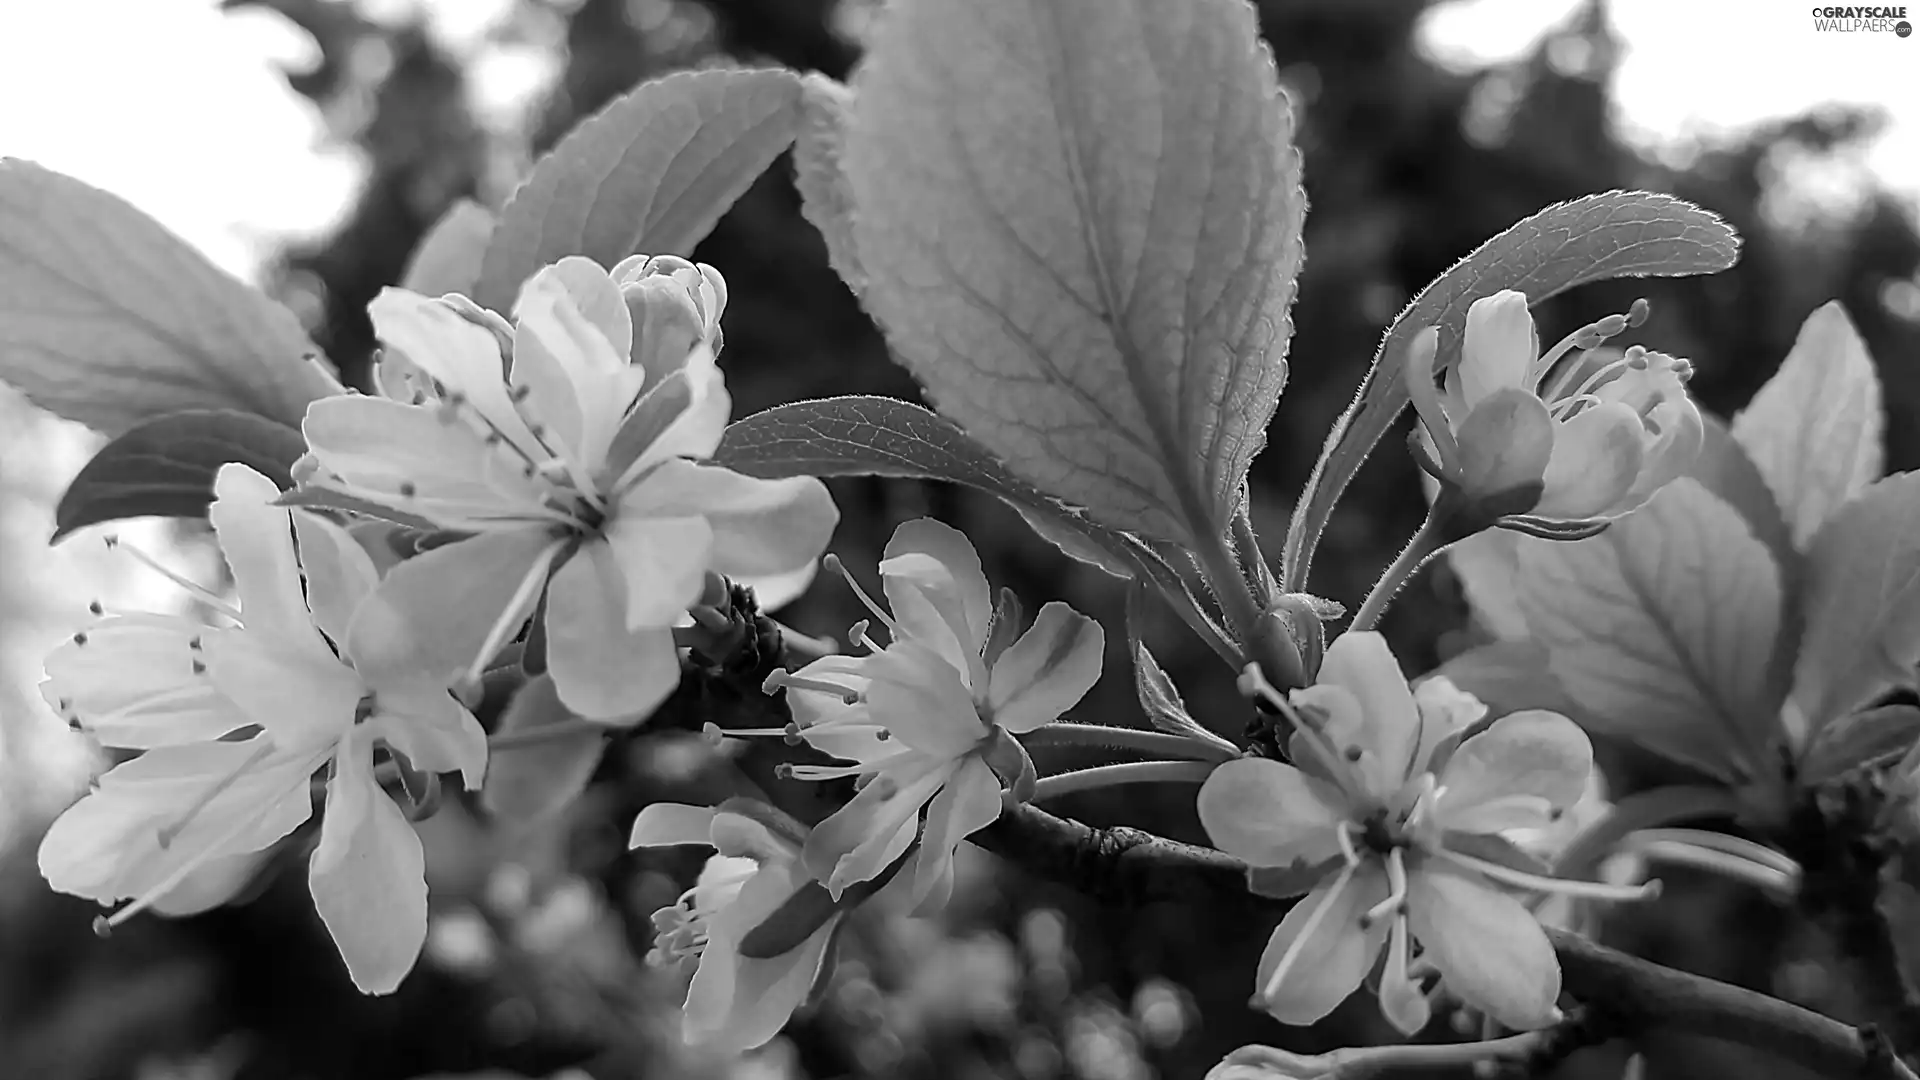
[(197, 591)]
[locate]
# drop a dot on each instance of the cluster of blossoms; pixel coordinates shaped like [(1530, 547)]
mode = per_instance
[(1541, 441), (555, 468)]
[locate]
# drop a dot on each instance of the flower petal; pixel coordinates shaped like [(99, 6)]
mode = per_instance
[(107, 846), (666, 824), (1386, 727), (437, 734), (433, 614), (579, 383), (737, 1003), (919, 698), (1499, 347), (409, 458), (969, 802), (865, 836), (1596, 459), (1505, 443), (339, 573), (662, 562), (947, 572), (1333, 952), (1265, 813), (464, 356), (1487, 946), (301, 702), (759, 526), (595, 296), (257, 539), (212, 884), (368, 876), (1047, 671), (1445, 712), (688, 421), (601, 669), (132, 684), (1532, 753)]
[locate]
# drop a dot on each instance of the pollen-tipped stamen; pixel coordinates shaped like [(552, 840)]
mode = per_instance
[(1396, 901), (1520, 879), (782, 679), (1590, 336), (197, 591), (833, 563)]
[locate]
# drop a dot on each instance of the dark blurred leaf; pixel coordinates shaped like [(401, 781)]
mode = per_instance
[(1860, 739), (536, 779), (111, 319), (447, 259), (165, 467), (1616, 234), (651, 172)]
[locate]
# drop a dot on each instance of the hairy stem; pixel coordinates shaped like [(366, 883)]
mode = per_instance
[(1427, 542), (1132, 772)]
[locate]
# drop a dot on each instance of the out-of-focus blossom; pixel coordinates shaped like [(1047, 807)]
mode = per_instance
[(736, 1001), (1541, 442), (928, 721), (563, 453), (235, 721), (1392, 819)]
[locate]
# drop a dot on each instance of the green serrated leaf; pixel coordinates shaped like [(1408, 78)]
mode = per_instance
[(652, 172), (1616, 234), (825, 200), (1080, 221), (536, 779), (165, 466), (447, 259), (1659, 627), (1862, 602), (111, 320), (1814, 429)]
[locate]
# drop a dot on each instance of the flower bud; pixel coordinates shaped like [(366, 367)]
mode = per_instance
[(676, 305)]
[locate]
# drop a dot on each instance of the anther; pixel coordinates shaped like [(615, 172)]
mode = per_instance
[(407, 490), (783, 771), (112, 540), (1637, 314), (519, 393), (1353, 753), (1611, 326), (199, 666), (194, 643), (95, 609), (102, 927), (80, 638), (711, 732)]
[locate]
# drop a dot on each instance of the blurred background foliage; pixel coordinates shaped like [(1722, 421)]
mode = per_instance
[(534, 963)]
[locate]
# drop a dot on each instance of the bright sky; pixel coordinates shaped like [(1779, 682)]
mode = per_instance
[(176, 106)]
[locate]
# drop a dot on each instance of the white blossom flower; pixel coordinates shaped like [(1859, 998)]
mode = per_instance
[(1546, 440), (927, 722), (735, 1001), (1393, 819), (234, 722), (569, 468)]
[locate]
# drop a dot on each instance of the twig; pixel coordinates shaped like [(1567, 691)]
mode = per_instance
[(1130, 866)]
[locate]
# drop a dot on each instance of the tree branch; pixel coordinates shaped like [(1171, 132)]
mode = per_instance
[(1129, 866)]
